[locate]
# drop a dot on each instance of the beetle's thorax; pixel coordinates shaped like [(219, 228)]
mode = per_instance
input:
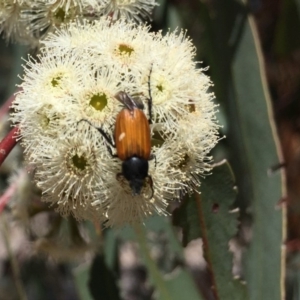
[(135, 170)]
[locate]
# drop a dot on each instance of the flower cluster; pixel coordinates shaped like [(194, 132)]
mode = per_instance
[(69, 92), (29, 21)]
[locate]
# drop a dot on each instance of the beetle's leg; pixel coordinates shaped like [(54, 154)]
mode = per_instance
[(151, 186), (150, 96), (105, 135), (153, 156), (110, 151), (119, 176), (109, 141)]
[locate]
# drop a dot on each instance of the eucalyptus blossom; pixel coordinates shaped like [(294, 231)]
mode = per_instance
[(68, 93)]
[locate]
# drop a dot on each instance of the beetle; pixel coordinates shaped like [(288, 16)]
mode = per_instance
[(132, 140)]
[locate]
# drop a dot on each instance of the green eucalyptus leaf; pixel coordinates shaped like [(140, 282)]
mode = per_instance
[(187, 217), (264, 260), (231, 47), (210, 214), (219, 223)]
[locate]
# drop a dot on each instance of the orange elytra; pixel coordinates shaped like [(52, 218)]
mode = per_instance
[(133, 142)]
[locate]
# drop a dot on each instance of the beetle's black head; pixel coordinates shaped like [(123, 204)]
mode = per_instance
[(135, 170)]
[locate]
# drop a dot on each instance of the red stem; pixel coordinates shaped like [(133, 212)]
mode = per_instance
[(7, 144)]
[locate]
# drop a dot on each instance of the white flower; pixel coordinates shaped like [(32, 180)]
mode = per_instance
[(72, 90), (195, 137), (96, 99), (46, 98), (70, 170), (10, 18), (30, 21), (129, 9), (42, 17), (53, 74), (126, 46)]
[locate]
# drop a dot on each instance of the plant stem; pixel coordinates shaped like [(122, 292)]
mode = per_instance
[(7, 144)]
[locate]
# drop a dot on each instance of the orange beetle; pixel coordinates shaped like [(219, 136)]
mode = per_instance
[(133, 141)]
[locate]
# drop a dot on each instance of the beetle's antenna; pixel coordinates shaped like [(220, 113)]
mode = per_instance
[(150, 96)]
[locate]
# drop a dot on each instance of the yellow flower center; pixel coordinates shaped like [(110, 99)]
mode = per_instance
[(56, 81), (79, 162), (60, 15), (183, 162), (125, 49), (44, 121), (162, 90), (160, 87), (98, 101)]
